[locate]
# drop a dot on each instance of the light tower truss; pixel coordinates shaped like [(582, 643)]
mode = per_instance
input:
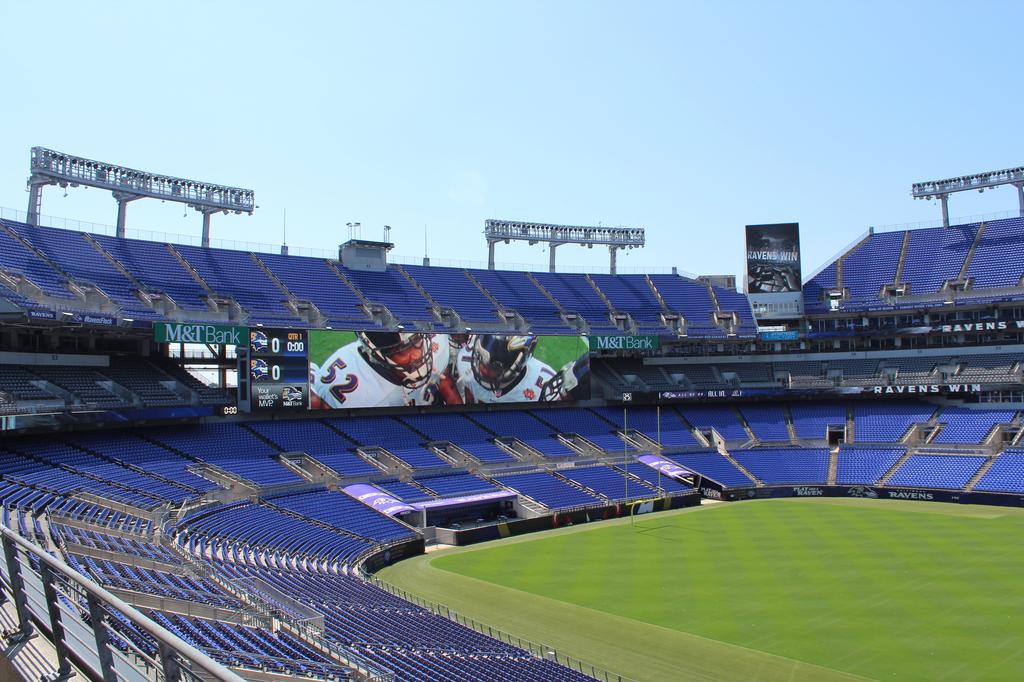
[(941, 189), (614, 238), (49, 167)]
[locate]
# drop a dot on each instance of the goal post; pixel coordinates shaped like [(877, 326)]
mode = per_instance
[(644, 506)]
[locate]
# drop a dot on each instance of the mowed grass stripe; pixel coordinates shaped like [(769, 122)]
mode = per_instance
[(856, 586)]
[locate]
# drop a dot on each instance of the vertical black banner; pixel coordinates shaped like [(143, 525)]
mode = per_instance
[(773, 258)]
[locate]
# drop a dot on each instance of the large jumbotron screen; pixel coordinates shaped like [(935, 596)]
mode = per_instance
[(350, 370)]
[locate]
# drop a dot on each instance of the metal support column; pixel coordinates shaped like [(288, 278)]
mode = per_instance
[(99, 629), (56, 625), (551, 255), (123, 198), (172, 669), (18, 591), (944, 200), (612, 251), (1020, 197), (207, 212), (36, 183), (490, 253)]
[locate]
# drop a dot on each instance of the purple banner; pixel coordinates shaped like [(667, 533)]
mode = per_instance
[(667, 467), (465, 499), (378, 499)]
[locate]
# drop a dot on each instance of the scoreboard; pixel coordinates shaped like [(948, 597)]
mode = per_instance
[(278, 369)]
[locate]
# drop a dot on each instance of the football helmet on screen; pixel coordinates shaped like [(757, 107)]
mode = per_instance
[(499, 360), (405, 359), (259, 369), (258, 341)]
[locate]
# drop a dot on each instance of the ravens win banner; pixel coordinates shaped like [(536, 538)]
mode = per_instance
[(349, 370), (773, 258)]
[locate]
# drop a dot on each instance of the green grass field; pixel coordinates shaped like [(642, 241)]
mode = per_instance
[(824, 589)]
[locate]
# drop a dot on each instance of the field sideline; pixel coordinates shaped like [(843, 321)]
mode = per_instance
[(823, 589)]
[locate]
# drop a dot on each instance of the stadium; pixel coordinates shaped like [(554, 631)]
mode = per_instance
[(222, 463), (501, 342)]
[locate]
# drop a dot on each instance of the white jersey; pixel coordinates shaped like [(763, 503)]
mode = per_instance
[(527, 390), (346, 380)]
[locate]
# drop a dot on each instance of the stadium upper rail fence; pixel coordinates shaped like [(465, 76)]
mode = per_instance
[(313, 252), (48, 592), (539, 650)]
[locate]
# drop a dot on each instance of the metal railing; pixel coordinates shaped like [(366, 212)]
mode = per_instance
[(313, 252), (539, 650), (49, 595)]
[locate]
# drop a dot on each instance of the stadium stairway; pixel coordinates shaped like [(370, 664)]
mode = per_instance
[(833, 464), (897, 280), (307, 310), (790, 426), (746, 472), (962, 274), (753, 439), (513, 446), (895, 467), (980, 473)]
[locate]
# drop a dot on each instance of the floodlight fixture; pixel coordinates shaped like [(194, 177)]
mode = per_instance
[(941, 189), (614, 238), (49, 167)]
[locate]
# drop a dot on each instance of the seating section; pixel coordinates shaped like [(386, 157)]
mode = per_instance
[(778, 466), (526, 428), (416, 644), (811, 420), (933, 257), (345, 513), (242, 647), (148, 581), (674, 434), (70, 536), (452, 485), (392, 290), (1006, 475), (405, 491), (318, 440), (548, 490), (608, 483), (715, 466), (888, 422), (230, 447), (936, 471), (461, 431), (721, 419), (244, 528), (865, 465), (970, 426), (654, 481), (997, 260), (63, 469), (238, 275), (451, 288), (19, 260), (577, 295), (690, 299), (516, 291), (768, 422), (313, 280), (585, 423), (393, 436), (632, 294)]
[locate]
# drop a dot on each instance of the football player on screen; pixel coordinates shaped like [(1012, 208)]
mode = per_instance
[(500, 368), (381, 369), (571, 383)]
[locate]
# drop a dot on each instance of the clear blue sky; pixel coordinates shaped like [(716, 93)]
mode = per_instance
[(689, 119)]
